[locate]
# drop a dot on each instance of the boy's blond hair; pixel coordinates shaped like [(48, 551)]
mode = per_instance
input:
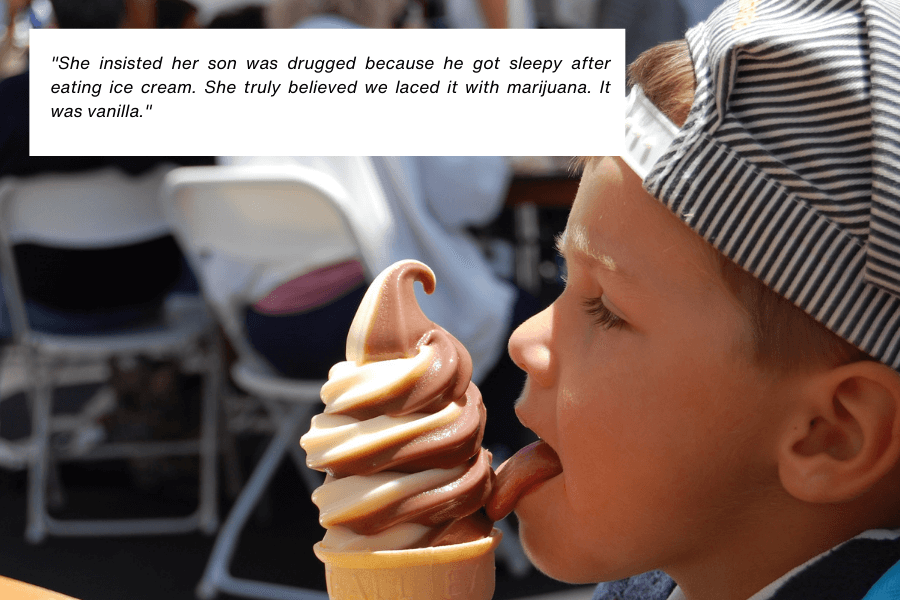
[(784, 337)]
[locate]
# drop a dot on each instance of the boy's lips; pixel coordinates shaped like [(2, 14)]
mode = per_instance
[(528, 468)]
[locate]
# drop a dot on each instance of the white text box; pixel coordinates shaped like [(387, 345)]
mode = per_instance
[(324, 92)]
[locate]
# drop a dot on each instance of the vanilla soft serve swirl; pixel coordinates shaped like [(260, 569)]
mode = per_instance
[(400, 437)]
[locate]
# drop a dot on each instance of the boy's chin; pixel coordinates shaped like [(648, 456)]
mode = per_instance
[(544, 532), (561, 548), (563, 565)]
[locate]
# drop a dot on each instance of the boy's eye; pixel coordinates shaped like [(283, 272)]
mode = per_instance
[(602, 315)]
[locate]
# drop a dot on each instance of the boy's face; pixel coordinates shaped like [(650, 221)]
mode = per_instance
[(640, 377)]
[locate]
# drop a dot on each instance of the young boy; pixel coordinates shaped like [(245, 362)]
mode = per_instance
[(732, 422)]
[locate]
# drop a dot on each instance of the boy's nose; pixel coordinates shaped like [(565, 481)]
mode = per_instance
[(529, 348)]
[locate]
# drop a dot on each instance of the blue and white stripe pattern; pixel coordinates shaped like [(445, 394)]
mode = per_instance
[(789, 162)]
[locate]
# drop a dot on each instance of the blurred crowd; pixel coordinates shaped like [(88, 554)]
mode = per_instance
[(432, 201)]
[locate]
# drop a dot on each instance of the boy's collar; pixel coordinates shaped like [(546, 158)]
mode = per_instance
[(846, 572)]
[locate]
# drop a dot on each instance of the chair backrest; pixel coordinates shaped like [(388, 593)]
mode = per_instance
[(261, 222), (93, 209)]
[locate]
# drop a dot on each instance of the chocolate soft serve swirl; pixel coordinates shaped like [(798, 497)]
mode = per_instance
[(400, 437)]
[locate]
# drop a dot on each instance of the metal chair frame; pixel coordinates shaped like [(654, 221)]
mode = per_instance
[(186, 333)]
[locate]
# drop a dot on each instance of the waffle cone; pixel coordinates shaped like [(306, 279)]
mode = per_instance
[(456, 572)]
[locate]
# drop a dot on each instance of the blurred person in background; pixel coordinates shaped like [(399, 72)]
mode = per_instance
[(493, 14), (80, 291), (647, 23), (17, 17), (13, 49), (245, 17), (699, 10), (176, 14), (407, 13), (286, 14)]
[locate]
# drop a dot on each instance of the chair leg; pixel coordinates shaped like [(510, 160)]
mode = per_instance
[(216, 573), (56, 495), (234, 477), (208, 511), (41, 393)]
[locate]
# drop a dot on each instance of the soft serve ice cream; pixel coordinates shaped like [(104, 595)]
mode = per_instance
[(400, 436)]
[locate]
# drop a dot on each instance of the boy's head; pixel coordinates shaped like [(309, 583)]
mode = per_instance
[(783, 336), (705, 415)]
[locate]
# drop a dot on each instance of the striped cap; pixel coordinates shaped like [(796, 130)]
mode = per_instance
[(789, 161)]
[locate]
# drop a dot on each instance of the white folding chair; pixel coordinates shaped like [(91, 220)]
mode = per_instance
[(276, 222), (94, 210)]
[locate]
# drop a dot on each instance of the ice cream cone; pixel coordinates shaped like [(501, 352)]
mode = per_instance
[(455, 572)]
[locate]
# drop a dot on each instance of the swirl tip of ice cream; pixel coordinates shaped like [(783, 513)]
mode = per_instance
[(389, 322)]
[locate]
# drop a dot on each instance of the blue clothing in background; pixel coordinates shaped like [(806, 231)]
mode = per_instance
[(306, 344)]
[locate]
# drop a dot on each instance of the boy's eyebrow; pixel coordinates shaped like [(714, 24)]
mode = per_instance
[(575, 239)]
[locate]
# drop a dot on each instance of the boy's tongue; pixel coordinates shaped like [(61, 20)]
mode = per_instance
[(529, 467)]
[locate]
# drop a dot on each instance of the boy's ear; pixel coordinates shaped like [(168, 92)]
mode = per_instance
[(843, 436)]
